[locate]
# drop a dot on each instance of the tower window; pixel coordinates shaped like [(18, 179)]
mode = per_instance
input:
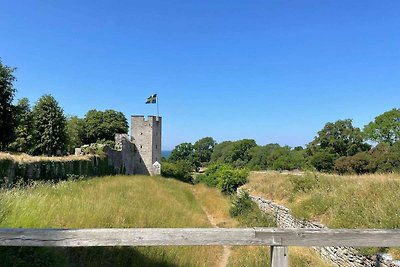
[(156, 146), (141, 146)]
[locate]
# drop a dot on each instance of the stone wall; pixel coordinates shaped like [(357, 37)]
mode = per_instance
[(337, 256), (12, 171)]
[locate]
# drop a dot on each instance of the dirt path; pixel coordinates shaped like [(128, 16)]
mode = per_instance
[(223, 262)]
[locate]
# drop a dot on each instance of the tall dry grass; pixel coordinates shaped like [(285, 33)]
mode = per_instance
[(217, 205), (350, 201), (117, 202), (25, 158), (367, 201)]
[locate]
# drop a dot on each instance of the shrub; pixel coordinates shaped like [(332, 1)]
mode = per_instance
[(323, 161), (360, 163), (248, 214), (180, 170), (230, 179), (241, 204), (209, 177), (343, 165), (224, 177)]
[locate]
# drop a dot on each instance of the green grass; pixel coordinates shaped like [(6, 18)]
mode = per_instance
[(368, 201), (117, 202)]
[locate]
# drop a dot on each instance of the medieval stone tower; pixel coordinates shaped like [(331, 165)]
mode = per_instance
[(146, 136)]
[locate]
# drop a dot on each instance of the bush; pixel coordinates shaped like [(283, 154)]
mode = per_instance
[(241, 204), (180, 170), (343, 165), (224, 177), (360, 163), (209, 177), (230, 179), (323, 161), (248, 214)]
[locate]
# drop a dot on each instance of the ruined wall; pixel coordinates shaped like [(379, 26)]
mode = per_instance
[(337, 256), (123, 156), (12, 171)]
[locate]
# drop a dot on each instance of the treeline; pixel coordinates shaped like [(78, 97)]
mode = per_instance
[(44, 129), (338, 147)]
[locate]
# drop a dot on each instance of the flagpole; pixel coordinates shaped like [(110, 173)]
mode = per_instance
[(158, 113)]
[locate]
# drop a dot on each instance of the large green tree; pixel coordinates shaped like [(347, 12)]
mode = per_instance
[(239, 155), (203, 149), (335, 140), (385, 128), (7, 110), (24, 130), (182, 151), (74, 131), (340, 138), (49, 127), (101, 126), (221, 152)]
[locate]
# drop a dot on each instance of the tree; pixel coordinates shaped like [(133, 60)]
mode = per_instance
[(181, 152), (24, 130), (239, 153), (74, 131), (339, 138), (203, 149), (261, 156), (385, 128), (7, 92), (220, 151), (49, 127), (101, 126)]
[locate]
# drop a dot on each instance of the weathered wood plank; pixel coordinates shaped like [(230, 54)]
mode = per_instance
[(199, 236), (126, 237), (331, 237), (279, 257)]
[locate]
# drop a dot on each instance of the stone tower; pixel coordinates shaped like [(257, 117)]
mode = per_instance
[(146, 135)]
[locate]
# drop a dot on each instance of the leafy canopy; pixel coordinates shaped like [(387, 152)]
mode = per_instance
[(385, 128), (102, 126), (24, 127), (339, 138), (49, 124), (7, 110)]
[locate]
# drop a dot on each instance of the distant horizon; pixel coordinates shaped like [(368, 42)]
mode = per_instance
[(275, 72)]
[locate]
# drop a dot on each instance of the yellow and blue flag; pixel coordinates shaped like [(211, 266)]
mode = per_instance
[(152, 99)]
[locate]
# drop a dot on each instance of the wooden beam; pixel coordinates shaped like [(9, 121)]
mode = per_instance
[(330, 237), (199, 237), (279, 256)]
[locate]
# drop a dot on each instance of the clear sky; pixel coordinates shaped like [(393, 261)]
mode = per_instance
[(274, 71)]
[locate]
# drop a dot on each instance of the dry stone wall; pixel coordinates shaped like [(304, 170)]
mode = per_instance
[(12, 171), (337, 256)]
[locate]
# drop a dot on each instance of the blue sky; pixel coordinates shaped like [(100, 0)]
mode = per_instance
[(274, 71)]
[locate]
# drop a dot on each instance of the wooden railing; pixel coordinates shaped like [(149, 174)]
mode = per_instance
[(278, 239)]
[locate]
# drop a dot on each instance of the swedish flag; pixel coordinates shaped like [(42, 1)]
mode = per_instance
[(152, 99)]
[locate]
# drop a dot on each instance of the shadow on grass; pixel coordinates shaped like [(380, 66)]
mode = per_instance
[(93, 256)]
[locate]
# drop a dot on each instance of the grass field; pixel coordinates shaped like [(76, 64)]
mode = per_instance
[(367, 201), (122, 202), (118, 202)]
